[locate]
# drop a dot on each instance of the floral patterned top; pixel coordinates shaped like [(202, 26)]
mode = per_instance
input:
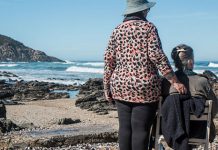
[(132, 60)]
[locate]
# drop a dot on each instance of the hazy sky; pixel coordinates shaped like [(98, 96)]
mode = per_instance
[(80, 29)]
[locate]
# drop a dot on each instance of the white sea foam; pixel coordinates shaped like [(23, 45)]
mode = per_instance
[(214, 65), (85, 69), (8, 65), (68, 62), (199, 71), (66, 82), (95, 64), (23, 62)]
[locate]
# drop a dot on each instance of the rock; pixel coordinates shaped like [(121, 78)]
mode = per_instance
[(10, 102), (213, 79), (34, 90), (91, 97), (91, 85), (57, 95), (215, 89), (211, 76), (7, 74), (2, 110), (27, 126), (7, 126), (74, 140), (12, 50), (5, 94), (2, 81), (66, 121), (21, 90)]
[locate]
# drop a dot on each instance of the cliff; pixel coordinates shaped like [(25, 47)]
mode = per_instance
[(12, 50)]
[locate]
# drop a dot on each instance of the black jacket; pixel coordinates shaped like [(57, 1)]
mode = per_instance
[(175, 123)]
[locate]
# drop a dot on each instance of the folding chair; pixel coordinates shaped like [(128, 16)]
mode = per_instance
[(159, 139)]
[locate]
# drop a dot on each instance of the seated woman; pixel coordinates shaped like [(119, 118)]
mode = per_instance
[(198, 88)]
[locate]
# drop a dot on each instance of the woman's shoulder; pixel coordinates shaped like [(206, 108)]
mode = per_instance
[(199, 80), (130, 23)]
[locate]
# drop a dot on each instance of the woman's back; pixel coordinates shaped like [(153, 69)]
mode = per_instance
[(137, 55)]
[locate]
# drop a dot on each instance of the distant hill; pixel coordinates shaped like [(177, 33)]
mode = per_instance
[(12, 50)]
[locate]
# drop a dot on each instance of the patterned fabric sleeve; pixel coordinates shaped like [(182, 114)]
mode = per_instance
[(157, 55), (110, 64)]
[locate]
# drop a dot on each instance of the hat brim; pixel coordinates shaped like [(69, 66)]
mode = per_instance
[(140, 8)]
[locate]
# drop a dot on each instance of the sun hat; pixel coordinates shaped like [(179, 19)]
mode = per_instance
[(134, 6)]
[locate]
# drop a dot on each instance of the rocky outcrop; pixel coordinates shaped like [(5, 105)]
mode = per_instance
[(63, 140), (91, 97), (12, 50), (215, 89), (58, 141), (213, 79), (32, 90), (8, 126)]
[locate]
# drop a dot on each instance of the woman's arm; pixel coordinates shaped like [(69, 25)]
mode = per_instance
[(161, 61), (110, 64)]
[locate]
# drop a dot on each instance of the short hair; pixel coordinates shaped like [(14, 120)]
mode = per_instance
[(181, 54)]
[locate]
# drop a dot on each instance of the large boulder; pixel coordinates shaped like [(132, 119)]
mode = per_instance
[(7, 125), (91, 97)]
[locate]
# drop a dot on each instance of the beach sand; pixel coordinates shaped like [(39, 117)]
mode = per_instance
[(44, 116)]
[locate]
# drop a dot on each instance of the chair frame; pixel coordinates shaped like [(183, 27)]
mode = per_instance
[(159, 139)]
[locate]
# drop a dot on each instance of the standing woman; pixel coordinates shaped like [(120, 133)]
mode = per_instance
[(132, 60)]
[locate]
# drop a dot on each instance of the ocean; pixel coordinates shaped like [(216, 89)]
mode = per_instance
[(72, 72)]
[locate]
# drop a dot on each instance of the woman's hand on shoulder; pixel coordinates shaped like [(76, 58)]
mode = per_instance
[(177, 85)]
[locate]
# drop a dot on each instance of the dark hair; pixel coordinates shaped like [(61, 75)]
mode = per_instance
[(136, 14), (180, 63)]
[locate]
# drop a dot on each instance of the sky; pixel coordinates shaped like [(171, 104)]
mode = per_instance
[(80, 29)]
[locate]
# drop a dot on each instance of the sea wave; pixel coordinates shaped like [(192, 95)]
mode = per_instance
[(8, 65), (199, 71), (85, 69), (68, 62), (66, 82), (95, 64), (214, 65), (22, 62)]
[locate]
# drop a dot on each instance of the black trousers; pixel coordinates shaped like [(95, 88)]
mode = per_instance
[(135, 120)]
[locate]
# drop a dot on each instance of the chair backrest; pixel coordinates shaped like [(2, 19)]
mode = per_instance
[(159, 139), (205, 117)]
